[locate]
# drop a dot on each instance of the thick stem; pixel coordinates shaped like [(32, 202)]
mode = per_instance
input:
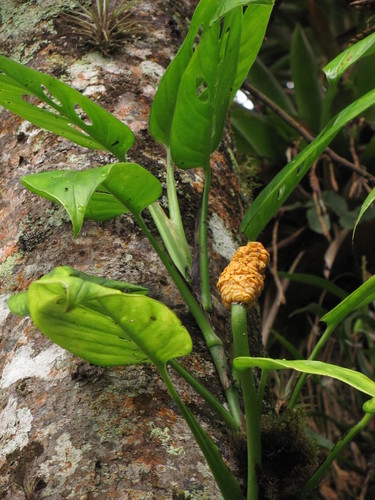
[(252, 408), (234, 426), (349, 436), (202, 242), (213, 342), (225, 480)]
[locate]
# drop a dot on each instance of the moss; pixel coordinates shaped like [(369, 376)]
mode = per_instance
[(22, 21), (7, 266), (289, 456)]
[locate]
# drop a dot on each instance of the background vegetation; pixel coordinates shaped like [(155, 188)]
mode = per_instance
[(312, 233)]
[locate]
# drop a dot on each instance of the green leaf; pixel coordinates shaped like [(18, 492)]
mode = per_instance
[(214, 75), (71, 189), (365, 205), (310, 279), (350, 377), (306, 84), (19, 304), (369, 406), (357, 299), (123, 286), (258, 133), (134, 186), (262, 79), (103, 205), (68, 113), (337, 67), (268, 202), (105, 326), (254, 24), (129, 185), (204, 94)]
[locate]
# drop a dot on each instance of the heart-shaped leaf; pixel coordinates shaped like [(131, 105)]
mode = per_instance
[(71, 189), (97, 193), (355, 379), (268, 202), (68, 114), (105, 326)]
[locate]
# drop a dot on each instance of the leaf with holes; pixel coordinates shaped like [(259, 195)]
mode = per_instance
[(351, 377), (105, 326), (207, 13), (67, 113), (268, 202), (98, 192), (337, 67)]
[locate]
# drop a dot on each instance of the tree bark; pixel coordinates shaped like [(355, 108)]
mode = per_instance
[(69, 429)]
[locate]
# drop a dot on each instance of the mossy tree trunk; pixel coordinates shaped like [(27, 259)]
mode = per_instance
[(69, 429)]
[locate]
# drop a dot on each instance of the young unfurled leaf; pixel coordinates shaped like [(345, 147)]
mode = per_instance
[(68, 114), (353, 378), (268, 202), (97, 193), (105, 326)]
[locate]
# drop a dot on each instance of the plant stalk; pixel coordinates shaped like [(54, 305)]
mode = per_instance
[(302, 379), (252, 408), (213, 342), (202, 243), (225, 480), (313, 482), (232, 423)]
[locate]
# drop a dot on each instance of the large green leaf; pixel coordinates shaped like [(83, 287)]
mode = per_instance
[(105, 326), (133, 185), (268, 202), (204, 93), (19, 302), (305, 78), (68, 114), (337, 67), (97, 193), (71, 189), (207, 14), (355, 379)]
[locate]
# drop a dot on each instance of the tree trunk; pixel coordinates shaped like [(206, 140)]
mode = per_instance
[(69, 429)]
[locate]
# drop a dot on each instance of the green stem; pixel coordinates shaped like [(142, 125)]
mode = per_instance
[(302, 379), (252, 408), (225, 480), (224, 414), (202, 242), (213, 342), (173, 206), (316, 477)]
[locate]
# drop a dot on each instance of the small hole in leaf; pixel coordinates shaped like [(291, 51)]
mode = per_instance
[(49, 96), (280, 192), (197, 38), (202, 89), (299, 170), (82, 115)]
